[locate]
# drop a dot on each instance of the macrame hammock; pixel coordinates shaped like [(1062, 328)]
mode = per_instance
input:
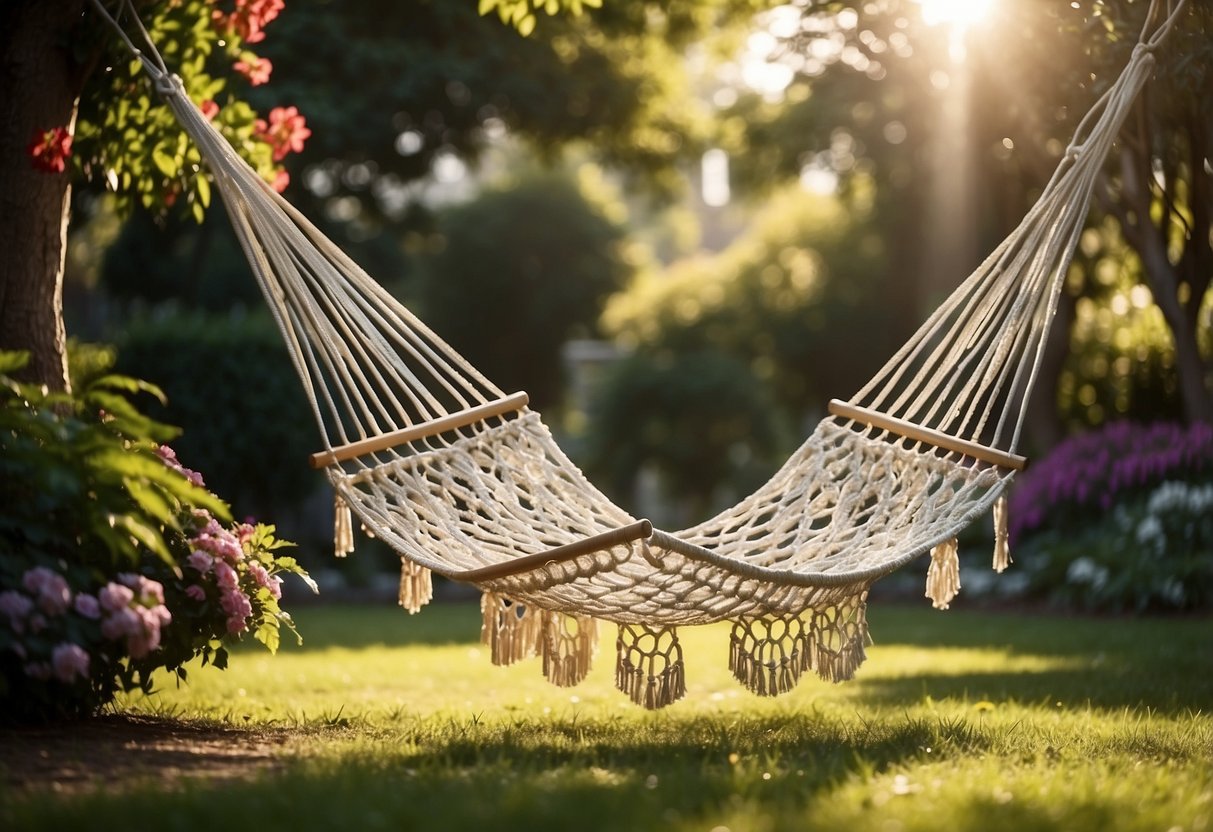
[(466, 481)]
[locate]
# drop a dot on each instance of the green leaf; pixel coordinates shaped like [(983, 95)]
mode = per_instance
[(203, 185), (268, 634), (147, 535), (168, 164), (12, 361), (131, 385), (151, 500)]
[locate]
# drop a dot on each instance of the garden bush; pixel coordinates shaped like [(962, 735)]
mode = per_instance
[(230, 384), (1120, 519), (115, 561)]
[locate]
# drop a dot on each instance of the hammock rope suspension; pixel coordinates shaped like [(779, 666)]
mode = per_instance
[(466, 481)]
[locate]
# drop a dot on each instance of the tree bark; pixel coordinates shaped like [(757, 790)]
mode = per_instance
[(41, 82)]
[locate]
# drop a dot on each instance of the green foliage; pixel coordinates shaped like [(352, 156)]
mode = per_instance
[(1122, 358), (700, 420), (103, 541), (128, 141), (230, 384), (390, 87), (175, 260), (1153, 552), (84, 468), (791, 299), (521, 13), (522, 270), (962, 147)]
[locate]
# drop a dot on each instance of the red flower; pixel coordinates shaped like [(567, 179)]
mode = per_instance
[(49, 149), (281, 180), (209, 109), (257, 71), (249, 18), (285, 132)]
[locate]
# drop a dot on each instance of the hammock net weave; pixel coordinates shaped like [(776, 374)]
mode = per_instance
[(466, 481)]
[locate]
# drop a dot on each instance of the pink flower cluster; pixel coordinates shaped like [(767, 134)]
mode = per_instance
[(256, 70), (249, 19), (285, 132), (218, 558), (133, 609), (169, 457), (46, 596)]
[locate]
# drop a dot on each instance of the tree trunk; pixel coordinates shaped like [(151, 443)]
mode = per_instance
[(1164, 280), (41, 83)]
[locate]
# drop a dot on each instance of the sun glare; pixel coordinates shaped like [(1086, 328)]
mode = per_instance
[(959, 13)]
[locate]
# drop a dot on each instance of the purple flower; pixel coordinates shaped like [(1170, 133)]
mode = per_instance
[(17, 607), (200, 561), (87, 606), (53, 594), (38, 670), (1091, 472), (121, 623), (196, 592), (69, 661), (145, 590), (115, 597)]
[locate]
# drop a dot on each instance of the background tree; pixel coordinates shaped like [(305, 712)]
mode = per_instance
[(875, 91), (697, 419), (793, 299), (521, 270)]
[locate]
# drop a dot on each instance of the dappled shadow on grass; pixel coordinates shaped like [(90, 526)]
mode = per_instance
[(119, 749), (1160, 664), (557, 774), (1107, 688)]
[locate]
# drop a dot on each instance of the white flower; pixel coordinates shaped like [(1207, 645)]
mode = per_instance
[(1150, 535), (1087, 571)]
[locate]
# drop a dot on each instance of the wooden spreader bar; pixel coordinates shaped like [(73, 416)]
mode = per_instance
[(442, 424), (615, 537), (932, 437)]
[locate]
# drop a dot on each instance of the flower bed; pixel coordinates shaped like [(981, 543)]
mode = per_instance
[(1120, 519)]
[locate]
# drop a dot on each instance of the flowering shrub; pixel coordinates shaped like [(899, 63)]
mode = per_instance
[(115, 562), (1120, 519), (1088, 474), (208, 44)]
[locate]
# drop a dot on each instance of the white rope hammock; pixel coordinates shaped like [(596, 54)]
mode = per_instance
[(464, 480)]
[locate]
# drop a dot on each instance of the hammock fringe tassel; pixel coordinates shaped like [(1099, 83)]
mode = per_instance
[(511, 631), (838, 638), (767, 655), (569, 645), (648, 665), (343, 527), (1002, 545), (943, 575), (416, 586)]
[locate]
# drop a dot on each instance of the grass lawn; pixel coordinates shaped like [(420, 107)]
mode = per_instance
[(958, 720)]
